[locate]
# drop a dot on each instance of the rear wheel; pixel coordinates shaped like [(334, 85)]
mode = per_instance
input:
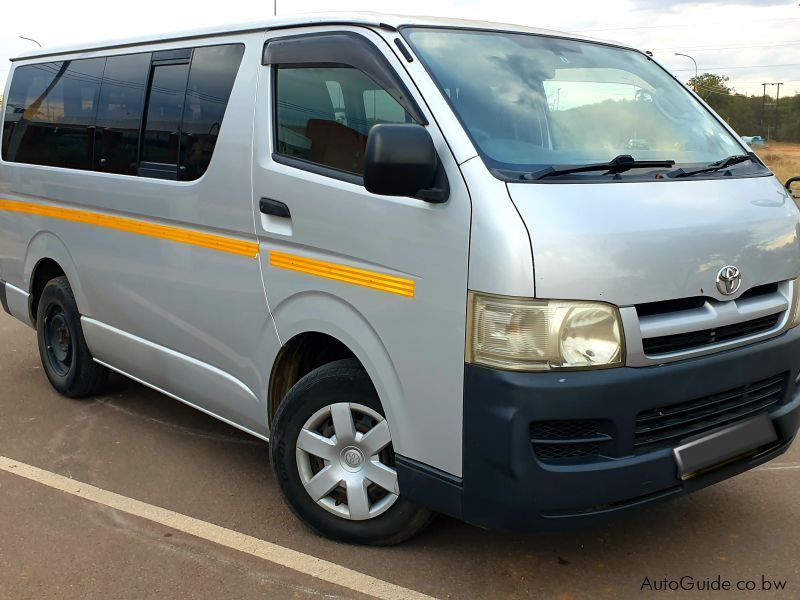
[(332, 452), (66, 359)]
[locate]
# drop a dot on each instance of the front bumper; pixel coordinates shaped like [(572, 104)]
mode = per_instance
[(507, 485), (4, 297)]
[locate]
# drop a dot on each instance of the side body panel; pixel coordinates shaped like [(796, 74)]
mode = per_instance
[(206, 305), (411, 346)]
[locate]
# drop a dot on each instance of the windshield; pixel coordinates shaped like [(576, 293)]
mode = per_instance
[(530, 102)]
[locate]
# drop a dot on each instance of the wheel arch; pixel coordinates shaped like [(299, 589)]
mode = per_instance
[(48, 257), (340, 323), (299, 356)]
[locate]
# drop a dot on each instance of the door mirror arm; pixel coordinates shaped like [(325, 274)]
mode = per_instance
[(440, 192), (790, 182)]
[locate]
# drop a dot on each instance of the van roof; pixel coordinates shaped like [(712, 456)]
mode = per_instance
[(285, 22)]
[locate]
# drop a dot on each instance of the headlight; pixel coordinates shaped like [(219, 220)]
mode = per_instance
[(794, 320), (522, 334)]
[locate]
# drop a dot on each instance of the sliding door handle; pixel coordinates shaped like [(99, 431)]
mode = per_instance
[(276, 208)]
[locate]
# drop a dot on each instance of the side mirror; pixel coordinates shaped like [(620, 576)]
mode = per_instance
[(789, 185), (400, 160)]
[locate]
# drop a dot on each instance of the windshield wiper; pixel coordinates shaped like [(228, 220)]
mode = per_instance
[(620, 164), (716, 166)]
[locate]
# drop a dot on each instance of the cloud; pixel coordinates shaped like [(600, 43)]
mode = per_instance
[(713, 31), (727, 4)]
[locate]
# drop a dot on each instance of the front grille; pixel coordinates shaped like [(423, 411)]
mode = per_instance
[(665, 307), (556, 441), (697, 339), (665, 427)]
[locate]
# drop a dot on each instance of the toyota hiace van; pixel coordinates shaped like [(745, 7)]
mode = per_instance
[(523, 278)]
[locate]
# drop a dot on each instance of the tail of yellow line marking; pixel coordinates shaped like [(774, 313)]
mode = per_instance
[(351, 275), (165, 232)]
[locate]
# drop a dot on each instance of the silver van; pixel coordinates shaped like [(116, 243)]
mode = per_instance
[(522, 278)]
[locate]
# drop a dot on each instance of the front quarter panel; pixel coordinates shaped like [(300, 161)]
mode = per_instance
[(500, 258)]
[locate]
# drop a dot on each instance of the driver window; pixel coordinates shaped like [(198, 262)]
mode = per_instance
[(324, 115)]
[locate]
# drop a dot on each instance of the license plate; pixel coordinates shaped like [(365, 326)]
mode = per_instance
[(723, 445)]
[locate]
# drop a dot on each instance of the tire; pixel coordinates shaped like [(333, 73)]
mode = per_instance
[(373, 515), (65, 357)]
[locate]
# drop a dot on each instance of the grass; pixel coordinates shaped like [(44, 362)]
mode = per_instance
[(783, 159)]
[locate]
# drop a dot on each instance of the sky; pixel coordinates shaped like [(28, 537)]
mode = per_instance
[(750, 41)]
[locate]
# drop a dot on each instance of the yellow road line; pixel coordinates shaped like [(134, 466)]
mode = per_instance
[(328, 270), (292, 559), (165, 232)]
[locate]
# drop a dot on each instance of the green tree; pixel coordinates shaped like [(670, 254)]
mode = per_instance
[(710, 84)]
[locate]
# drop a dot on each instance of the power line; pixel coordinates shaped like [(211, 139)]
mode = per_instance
[(700, 24), (713, 91), (741, 67), (760, 81), (725, 47), (732, 93)]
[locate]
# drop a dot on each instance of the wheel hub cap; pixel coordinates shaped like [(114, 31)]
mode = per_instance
[(345, 463)]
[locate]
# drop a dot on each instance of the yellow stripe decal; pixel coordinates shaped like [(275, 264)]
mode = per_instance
[(351, 275), (164, 232)]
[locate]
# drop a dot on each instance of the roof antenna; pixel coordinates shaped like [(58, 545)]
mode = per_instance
[(22, 37), (274, 8)]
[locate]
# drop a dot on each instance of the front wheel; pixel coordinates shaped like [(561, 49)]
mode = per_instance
[(332, 452)]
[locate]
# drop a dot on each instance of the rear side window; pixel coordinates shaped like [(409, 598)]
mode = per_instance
[(325, 113), (164, 110), (211, 79), (51, 112), (27, 99), (119, 113), (113, 114)]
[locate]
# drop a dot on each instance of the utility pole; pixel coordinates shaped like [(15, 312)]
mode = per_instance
[(764, 104)]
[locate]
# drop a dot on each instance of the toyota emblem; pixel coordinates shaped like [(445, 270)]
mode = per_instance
[(352, 458), (729, 280)]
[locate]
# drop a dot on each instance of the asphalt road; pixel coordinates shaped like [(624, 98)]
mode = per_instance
[(144, 446)]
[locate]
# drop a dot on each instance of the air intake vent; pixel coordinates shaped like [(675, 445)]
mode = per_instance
[(558, 441), (665, 427)]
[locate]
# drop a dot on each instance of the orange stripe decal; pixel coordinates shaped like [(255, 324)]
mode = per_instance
[(180, 235), (351, 275)]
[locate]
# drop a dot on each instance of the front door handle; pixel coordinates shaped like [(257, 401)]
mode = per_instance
[(276, 208)]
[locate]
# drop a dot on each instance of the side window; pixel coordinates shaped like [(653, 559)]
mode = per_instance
[(211, 80), (52, 110), (380, 107), (27, 98), (152, 114), (164, 113), (324, 114), (119, 113)]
